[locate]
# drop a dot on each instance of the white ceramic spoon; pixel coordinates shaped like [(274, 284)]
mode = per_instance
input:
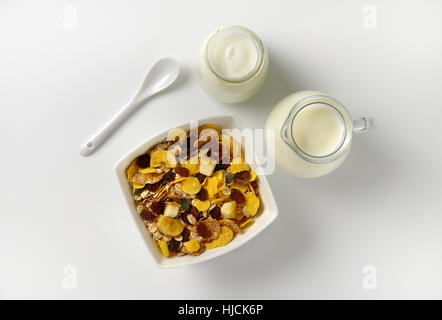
[(160, 76)]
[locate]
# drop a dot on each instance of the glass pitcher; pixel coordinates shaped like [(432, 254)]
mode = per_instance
[(312, 133)]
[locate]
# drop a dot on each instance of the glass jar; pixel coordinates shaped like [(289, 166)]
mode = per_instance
[(233, 64), (288, 151)]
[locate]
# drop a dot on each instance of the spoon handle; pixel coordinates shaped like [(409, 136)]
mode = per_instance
[(101, 136)]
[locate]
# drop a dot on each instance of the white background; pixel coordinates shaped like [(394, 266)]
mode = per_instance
[(67, 66)]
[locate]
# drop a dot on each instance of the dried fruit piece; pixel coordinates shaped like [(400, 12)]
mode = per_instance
[(202, 194), (221, 166), (170, 227), (138, 186), (171, 209), (208, 229), (216, 213), (157, 207), (194, 211), (224, 238), (191, 185), (254, 186), (184, 172), (192, 165), (201, 177), (185, 204), (202, 205), (143, 161), (207, 165), (163, 247), (173, 246), (228, 209), (185, 234), (152, 187), (192, 245), (242, 177), (237, 196), (252, 203), (162, 158), (169, 177), (148, 215)]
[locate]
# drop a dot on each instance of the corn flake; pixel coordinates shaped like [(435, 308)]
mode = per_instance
[(163, 247), (191, 185), (147, 170), (252, 203), (240, 187), (192, 245), (247, 223), (202, 205), (162, 157), (224, 238), (133, 168)]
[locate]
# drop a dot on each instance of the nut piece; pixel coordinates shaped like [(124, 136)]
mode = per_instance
[(207, 166), (171, 209), (228, 209), (191, 218)]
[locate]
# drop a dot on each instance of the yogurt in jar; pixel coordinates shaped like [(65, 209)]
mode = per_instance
[(233, 64)]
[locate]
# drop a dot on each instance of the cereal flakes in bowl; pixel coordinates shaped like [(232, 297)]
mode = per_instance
[(195, 195)]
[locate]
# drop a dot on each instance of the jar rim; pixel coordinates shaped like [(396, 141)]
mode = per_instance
[(259, 60), (287, 132)]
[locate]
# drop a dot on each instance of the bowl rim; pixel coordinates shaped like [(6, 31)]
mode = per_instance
[(120, 168)]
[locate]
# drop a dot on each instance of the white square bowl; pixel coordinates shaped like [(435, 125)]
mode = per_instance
[(266, 215)]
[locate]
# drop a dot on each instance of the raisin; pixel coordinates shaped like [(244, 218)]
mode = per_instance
[(148, 215), (184, 172), (186, 234), (152, 187), (184, 218), (216, 213), (194, 211), (203, 194), (200, 177), (237, 196), (254, 185), (242, 177), (157, 207), (221, 166), (169, 177), (143, 161), (173, 245), (202, 230)]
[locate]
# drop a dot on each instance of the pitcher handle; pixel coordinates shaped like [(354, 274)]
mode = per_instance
[(363, 124)]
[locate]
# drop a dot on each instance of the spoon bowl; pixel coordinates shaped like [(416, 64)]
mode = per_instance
[(160, 76)]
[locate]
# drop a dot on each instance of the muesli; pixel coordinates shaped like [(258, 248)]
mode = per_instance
[(194, 191)]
